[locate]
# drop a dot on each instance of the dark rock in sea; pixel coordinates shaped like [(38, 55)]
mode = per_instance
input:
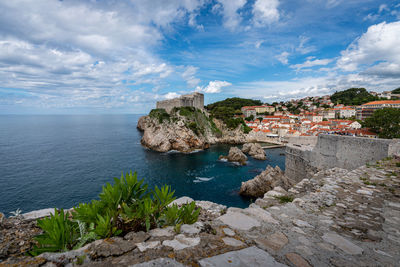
[(254, 150), (235, 155), (264, 182)]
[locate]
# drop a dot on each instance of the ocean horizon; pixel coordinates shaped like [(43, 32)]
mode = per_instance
[(62, 160)]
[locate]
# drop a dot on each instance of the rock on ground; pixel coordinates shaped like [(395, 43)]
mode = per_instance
[(235, 155), (254, 150), (248, 257), (265, 181)]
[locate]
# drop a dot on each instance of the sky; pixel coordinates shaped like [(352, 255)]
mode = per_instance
[(83, 57)]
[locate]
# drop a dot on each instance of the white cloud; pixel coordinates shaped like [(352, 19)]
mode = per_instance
[(265, 12), (171, 95), (303, 48), (383, 7), (381, 43), (283, 58), (213, 87), (189, 76), (230, 13), (91, 53), (311, 86), (258, 44), (309, 63), (383, 69)]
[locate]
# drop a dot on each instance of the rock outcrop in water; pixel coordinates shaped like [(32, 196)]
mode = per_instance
[(254, 150), (265, 181), (185, 130), (235, 155)]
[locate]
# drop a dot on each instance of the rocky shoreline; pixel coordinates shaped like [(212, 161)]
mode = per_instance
[(186, 133), (337, 218)]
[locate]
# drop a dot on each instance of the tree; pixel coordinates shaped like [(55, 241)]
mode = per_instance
[(385, 122), (353, 96), (250, 118), (324, 119), (396, 91)]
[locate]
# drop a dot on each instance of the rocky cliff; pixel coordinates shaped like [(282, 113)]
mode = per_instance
[(185, 130)]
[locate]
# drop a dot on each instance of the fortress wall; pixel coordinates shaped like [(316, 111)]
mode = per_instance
[(345, 152), (193, 100), (302, 140), (198, 101), (168, 105)]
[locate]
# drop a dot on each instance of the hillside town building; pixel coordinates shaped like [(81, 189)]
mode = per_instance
[(366, 110), (195, 100)]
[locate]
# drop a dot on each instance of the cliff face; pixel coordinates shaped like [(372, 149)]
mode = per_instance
[(185, 130)]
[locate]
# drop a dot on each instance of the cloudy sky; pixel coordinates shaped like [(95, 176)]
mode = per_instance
[(122, 56)]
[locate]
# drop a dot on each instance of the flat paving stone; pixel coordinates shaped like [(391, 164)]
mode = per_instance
[(147, 245), (239, 221), (261, 214), (301, 223), (229, 241), (182, 242), (297, 260), (248, 257), (342, 243), (165, 262), (159, 232), (275, 241), (229, 232)]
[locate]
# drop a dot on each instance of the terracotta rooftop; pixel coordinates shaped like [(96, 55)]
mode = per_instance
[(381, 102)]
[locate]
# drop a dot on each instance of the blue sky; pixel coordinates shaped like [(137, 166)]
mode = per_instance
[(123, 56)]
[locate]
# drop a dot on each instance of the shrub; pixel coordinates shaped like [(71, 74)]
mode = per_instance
[(125, 206), (193, 126), (60, 233), (186, 111), (160, 114), (285, 199)]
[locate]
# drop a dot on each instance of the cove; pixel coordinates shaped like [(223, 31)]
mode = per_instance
[(61, 160)]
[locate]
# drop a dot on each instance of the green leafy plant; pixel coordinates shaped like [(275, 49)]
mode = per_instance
[(86, 234), (60, 233), (124, 206), (188, 213)]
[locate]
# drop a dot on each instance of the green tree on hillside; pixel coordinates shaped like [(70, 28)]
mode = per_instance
[(353, 96), (396, 91), (235, 102), (385, 122)]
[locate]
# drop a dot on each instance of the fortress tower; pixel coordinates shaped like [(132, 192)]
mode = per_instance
[(195, 100)]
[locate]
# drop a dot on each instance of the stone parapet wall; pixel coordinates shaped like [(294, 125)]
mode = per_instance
[(301, 140), (330, 151)]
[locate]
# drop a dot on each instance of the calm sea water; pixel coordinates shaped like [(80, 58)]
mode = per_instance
[(61, 160)]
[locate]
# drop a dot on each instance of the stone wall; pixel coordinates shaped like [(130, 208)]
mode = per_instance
[(169, 104), (192, 100), (345, 152), (301, 140)]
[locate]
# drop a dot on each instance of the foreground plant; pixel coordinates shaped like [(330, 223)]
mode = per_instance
[(125, 206)]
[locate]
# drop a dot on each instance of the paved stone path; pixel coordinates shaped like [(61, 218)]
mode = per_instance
[(336, 218)]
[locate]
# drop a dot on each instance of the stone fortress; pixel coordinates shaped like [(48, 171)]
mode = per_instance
[(191, 100)]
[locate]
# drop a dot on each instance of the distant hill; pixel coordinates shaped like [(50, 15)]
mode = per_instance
[(396, 91), (352, 97), (234, 103)]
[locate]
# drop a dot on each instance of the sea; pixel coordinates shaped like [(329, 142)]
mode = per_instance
[(60, 161)]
